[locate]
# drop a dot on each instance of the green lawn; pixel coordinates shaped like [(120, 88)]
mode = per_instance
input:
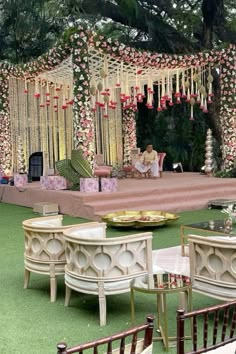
[(31, 324)]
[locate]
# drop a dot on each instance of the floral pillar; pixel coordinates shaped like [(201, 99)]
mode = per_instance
[(129, 133), (228, 106), (5, 124), (83, 124)]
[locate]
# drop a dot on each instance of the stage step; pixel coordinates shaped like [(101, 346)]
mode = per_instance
[(160, 201), (174, 192)]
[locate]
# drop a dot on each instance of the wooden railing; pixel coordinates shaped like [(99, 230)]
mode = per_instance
[(147, 330), (216, 333)]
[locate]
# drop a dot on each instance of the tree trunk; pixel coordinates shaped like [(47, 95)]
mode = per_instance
[(211, 10), (143, 20)]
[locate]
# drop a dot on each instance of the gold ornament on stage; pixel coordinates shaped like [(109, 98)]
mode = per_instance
[(187, 84), (103, 74), (99, 86), (93, 90), (196, 77)]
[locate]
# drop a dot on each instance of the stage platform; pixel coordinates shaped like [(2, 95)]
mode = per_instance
[(173, 192)]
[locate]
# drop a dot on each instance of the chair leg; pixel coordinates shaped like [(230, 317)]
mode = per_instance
[(26, 278), (53, 289), (53, 283), (67, 296), (102, 304)]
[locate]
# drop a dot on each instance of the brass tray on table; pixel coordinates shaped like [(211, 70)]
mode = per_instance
[(139, 219)]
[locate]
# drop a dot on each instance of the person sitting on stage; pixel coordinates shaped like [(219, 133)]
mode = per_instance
[(148, 161)]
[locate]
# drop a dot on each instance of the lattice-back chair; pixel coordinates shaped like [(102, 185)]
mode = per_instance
[(136, 346), (105, 266), (45, 246), (213, 266), (217, 332)]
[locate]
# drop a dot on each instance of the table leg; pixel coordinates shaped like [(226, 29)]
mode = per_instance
[(132, 305), (190, 307), (162, 319), (182, 240)]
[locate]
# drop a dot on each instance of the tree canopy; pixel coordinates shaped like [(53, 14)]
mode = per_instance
[(29, 27)]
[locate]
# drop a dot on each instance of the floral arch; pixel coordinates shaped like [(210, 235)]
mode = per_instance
[(85, 91)]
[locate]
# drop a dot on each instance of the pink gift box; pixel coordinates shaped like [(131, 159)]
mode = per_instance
[(20, 180), (109, 184), (89, 185), (53, 182)]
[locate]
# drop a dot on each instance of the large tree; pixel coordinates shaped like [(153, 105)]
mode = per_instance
[(27, 29), (172, 26)]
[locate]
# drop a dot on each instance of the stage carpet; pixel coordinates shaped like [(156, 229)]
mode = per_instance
[(173, 192)]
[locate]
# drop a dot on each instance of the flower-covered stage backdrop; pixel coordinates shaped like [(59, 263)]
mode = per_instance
[(228, 107), (84, 94)]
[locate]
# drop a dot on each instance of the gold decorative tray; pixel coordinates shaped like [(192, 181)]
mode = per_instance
[(139, 219)]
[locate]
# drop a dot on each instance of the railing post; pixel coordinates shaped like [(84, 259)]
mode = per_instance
[(149, 331), (61, 348), (180, 331)]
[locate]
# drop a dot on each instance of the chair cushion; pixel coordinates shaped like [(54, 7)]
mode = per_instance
[(100, 172), (47, 223), (87, 286), (88, 233), (127, 168)]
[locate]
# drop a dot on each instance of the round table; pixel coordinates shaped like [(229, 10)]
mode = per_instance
[(161, 285)]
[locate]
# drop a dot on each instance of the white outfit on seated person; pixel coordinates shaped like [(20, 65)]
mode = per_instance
[(148, 161)]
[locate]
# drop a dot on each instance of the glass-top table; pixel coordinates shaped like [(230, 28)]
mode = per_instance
[(161, 285), (210, 226)]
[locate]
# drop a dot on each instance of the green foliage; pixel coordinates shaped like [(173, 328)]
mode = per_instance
[(28, 29), (226, 174), (75, 168), (66, 170), (80, 164), (171, 131)]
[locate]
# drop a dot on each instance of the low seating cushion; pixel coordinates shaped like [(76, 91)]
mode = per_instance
[(102, 172)]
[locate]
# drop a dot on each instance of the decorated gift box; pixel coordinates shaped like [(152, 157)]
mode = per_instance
[(109, 184), (53, 182), (20, 180), (89, 185)]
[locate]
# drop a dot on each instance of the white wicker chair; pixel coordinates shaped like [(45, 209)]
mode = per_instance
[(45, 247), (213, 266), (105, 266)]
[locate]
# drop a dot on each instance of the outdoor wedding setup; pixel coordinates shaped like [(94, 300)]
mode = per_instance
[(82, 95), (117, 176)]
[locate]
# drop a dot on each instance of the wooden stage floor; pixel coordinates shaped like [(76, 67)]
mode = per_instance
[(174, 192)]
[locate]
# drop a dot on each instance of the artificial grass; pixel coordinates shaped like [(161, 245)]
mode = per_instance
[(31, 324)]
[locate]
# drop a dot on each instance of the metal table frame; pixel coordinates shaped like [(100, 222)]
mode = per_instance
[(162, 321), (190, 227)]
